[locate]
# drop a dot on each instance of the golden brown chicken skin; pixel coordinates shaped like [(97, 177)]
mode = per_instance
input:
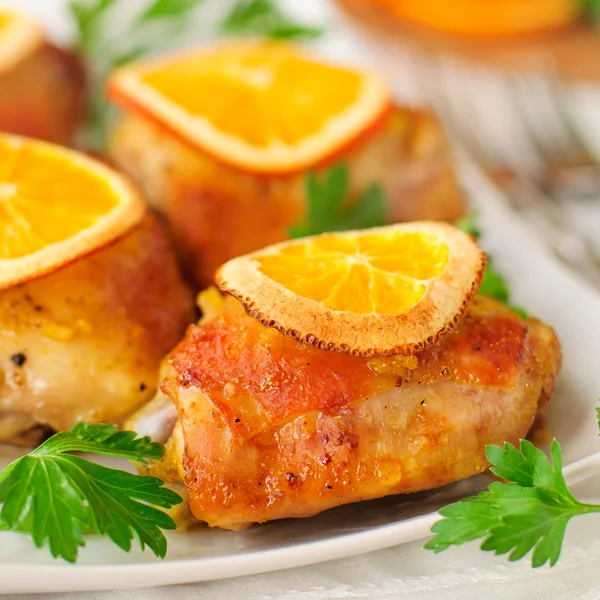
[(84, 343), (217, 213), (269, 428), (42, 96)]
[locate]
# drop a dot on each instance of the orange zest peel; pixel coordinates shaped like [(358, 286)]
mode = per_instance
[(377, 292), (55, 206), (260, 107)]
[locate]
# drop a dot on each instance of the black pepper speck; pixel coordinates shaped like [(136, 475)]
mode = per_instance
[(19, 359)]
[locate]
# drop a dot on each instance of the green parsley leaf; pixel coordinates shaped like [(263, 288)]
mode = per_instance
[(528, 513), (58, 497), (167, 9), (102, 439), (263, 18), (86, 15), (326, 210), (591, 8), (468, 224), (104, 49), (493, 283)]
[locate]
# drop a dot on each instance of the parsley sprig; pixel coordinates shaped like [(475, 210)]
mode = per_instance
[(264, 18), (528, 513), (493, 284), (58, 498), (326, 207)]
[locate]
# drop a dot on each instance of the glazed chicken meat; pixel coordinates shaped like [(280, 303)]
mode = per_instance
[(216, 212), (259, 426), (43, 95), (84, 343)]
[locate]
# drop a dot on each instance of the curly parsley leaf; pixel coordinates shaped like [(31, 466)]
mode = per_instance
[(263, 18), (326, 205), (58, 497), (529, 513)]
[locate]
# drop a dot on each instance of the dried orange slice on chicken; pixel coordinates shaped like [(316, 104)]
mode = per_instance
[(20, 35), (382, 291), (260, 107), (55, 206)]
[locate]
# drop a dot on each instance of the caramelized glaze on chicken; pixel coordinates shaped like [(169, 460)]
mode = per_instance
[(217, 213), (84, 343), (269, 428), (43, 95)]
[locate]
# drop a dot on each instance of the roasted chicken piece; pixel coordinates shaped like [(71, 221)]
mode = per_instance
[(42, 96), (216, 212), (263, 427), (84, 343)]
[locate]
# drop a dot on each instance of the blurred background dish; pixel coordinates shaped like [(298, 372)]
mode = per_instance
[(505, 34), (508, 102), (491, 18), (42, 85)]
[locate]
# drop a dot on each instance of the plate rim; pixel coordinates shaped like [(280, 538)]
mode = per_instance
[(54, 577)]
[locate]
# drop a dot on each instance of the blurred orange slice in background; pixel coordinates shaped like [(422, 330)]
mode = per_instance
[(261, 107), (487, 17), (382, 291), (19, 37), (55, 206)]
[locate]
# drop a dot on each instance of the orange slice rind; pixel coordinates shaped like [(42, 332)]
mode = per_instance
[(20, 35), (55, 206), (377, 292), (261, 107)]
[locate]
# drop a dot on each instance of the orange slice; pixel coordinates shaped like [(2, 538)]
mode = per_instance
[(375, 292), (55, 206), (20, 35), (260, 107), (488, 17)]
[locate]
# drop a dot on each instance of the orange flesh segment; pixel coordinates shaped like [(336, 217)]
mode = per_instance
[(383, 274), (44, 199), (261, 94)]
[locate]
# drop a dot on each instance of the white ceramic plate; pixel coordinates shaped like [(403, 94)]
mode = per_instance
[(538, 282)]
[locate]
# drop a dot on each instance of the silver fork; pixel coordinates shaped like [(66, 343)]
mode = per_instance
[(517, 127)]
